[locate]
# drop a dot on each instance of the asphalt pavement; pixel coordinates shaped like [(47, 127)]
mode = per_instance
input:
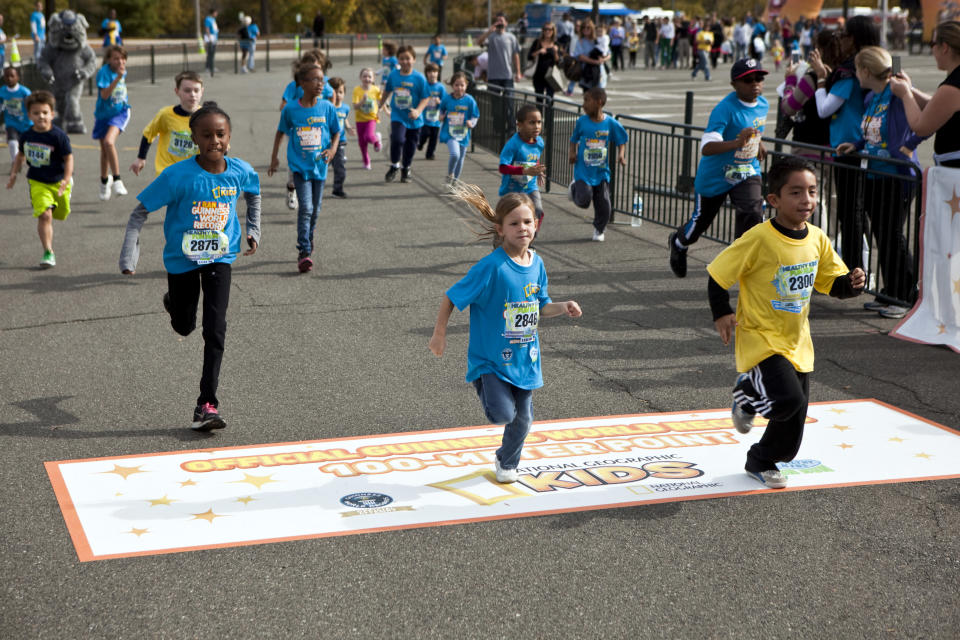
[(90, 367)]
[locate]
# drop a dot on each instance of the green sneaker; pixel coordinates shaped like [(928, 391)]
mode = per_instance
[(49, 260)]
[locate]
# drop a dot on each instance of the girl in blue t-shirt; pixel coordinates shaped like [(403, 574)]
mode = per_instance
[(459, 113), (408, 94), (507, 295), (389, 62), (202, 232), (314, 130), (12, 99), (111, 116)]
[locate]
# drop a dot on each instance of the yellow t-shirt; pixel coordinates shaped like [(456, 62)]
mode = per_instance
[(777, 276), (175, 141), (704, 40), (367, 101)]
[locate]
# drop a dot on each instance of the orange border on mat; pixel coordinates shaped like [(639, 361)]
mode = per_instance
[(85, 554)]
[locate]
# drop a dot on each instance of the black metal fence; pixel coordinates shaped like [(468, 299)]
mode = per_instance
[(872, 216)]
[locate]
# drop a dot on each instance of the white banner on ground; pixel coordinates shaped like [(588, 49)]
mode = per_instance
[(179, 501), (935, 319)]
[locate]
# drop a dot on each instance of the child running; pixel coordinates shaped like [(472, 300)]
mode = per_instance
[(430, 130), (366, 99), (520, 159), (777, 264), (172, 126), (49, 156), (202, 231), (407, 91), (389, 62), (111, 116), (593, 134), (436, 54), (343, 116), (293, 92), (314, 130), (459, 113), (730, 154), (503, 358), (13, 98)]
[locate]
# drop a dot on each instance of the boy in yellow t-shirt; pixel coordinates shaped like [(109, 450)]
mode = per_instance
[(778, 264), (172, 126)]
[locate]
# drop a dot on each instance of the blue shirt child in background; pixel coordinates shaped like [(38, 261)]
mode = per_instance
[(521, 159), (111, 116), (339, 87), (507, 295), (313, 127), (430, 130), (459, 114), (436, 54), (594, 134), (389, 62), (15, 118)]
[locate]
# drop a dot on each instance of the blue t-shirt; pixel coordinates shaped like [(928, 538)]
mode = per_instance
[(845, 122), (436, 53), (505, 299), (390, 64), (201, 224), (111, 32), (594, 142), (457, 113), (407, 92), (210, 24), (311, 129), (343, 112), (875, 126), (15, 108), (45, 153), (294, 92), (253, 31), (518, 151), (117, 102), (431, 113), (721, 172), (39, 25)]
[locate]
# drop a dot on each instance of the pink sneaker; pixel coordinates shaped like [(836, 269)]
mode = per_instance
[(304, 264), (378, 144)]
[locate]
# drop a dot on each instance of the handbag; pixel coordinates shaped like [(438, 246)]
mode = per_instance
[(555, 79)]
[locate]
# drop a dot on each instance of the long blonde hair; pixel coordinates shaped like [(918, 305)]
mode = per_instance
[(473, 195), (876, 61)]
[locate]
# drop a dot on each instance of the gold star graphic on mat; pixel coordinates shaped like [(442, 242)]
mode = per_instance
[(207, 515), (941, 328), (137, 532), (246, 500), (257, 481), (158, 501), (925, 456), (123, 472), (895, 439), (844, 445), (117, 494), (840, 427), (188, 483), (956, 286), (838, 410), (954, 203)]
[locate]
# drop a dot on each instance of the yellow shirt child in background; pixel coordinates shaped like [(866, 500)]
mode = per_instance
[(366, 97), (172, 126)]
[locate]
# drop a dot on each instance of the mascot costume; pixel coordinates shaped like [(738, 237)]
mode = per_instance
[(65, 63)]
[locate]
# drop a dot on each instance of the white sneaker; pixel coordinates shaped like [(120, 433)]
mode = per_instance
[(504, 476), (773, 479), (118, 188), (570, 191), (105, 188), (291, 199), (379, 142), (597, 236)]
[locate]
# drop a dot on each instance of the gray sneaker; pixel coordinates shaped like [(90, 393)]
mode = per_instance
[(742, 421), (772, 479)]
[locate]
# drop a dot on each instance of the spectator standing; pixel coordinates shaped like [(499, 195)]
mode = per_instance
[(38, 30), (617, 37), (211, 35), (741, 40), (243, 38), (650, 33), (667, 34), (565, 31), (319, 26), (254, 32), (110, 29), (503, 66), (544, 53)]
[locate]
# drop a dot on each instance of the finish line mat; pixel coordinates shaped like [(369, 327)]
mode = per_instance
[(186, 500)]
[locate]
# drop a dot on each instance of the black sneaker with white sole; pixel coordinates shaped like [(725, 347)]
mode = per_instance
[(391, 174), (678, 257), (207, 418)]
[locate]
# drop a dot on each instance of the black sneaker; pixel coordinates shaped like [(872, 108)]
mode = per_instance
[(405, 175), (339, 193), (207, 418), (391, 174), (678, 257), (166, 301), (430, 156)]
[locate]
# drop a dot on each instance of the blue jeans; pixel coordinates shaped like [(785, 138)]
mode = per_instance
[(508, 405), (310, 197), (457, 153), (701, 64), (253, 50)]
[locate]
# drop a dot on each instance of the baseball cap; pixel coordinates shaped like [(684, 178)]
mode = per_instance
[(745, 67)]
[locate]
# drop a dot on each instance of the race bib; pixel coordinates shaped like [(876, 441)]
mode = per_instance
[(119, 95), (402, 98), (367, 105), (595, 155), (737, 173), (431, 114), (522, 179), (522, 319), (181, 144), (749, 150), (13, 108), (203, 246), (310, 138), (872, 131), (456, 124), (37, 155), (794, 284)]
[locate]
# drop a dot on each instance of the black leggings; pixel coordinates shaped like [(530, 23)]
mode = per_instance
[(403, 142)]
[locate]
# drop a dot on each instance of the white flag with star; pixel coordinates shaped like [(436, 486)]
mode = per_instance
[(935, 319)]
